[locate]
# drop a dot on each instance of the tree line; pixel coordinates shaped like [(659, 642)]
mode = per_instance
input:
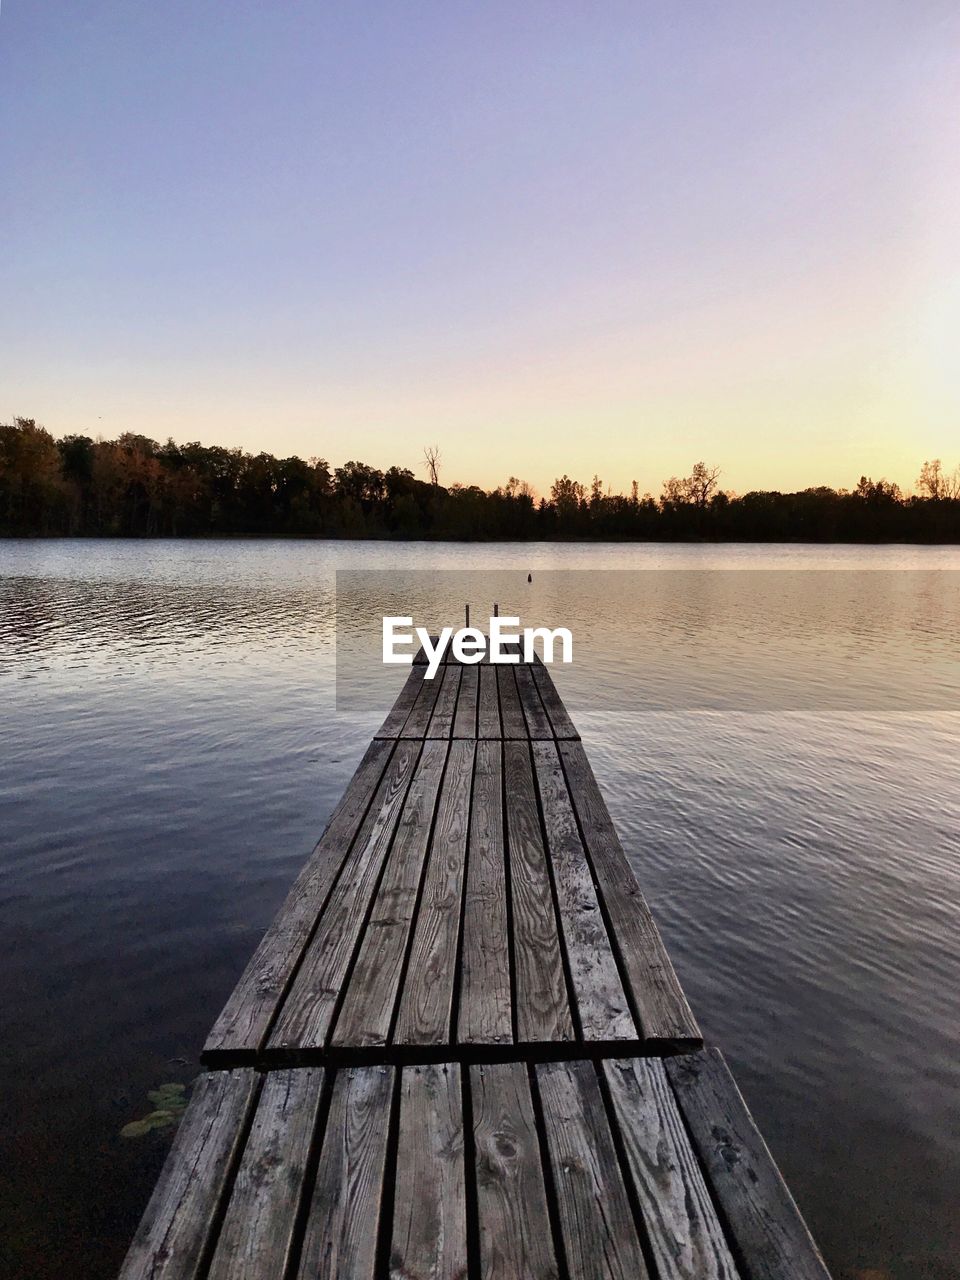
[(135, 487)]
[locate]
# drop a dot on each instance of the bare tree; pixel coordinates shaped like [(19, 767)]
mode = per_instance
[(695, 489), (432, 457), (702, 484), (938, 484)]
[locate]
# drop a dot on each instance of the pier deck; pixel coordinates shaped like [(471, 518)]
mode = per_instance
[(461, 1048)]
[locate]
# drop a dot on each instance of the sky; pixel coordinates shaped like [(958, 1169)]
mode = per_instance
[(549, 237)]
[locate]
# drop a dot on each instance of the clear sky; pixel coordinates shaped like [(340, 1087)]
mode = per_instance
[(551, 237)]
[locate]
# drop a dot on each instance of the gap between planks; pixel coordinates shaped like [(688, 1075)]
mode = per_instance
[(629, 1168), (550, 939)]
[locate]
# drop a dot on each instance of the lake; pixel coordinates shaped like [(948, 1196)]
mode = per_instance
[(776, 730)]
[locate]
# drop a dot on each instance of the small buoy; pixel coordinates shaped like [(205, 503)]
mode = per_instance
[(529, 577)]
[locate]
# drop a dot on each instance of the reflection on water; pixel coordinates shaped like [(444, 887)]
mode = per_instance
[(693, 639), (779, 750)]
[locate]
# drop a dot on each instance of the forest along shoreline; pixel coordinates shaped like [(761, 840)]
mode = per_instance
[(133, 486)]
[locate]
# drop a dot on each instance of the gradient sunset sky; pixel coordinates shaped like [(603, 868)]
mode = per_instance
[(552, 238)]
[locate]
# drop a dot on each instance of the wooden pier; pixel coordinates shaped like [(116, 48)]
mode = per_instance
[(461, 1049)]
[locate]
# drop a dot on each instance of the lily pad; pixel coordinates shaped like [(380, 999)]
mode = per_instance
[(156, 1120), (169, 1102), (169, 1096)]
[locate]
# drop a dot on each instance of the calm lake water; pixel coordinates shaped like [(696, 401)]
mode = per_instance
[(776, 730)]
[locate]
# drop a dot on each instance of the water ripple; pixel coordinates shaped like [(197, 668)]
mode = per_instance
[(781, 754)]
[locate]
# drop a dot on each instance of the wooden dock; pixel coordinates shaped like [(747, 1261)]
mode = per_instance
[(461, 1049)]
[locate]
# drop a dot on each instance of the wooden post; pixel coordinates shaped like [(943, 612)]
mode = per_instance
[(496, 611), (467, 607)]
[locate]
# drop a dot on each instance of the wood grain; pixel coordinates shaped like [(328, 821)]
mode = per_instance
[(511, 713), (560, 721), (341, 1231), (515, 1238), (772, 1239), (257, 1235), (465, 720), (543, 1007), (170, 1241), (367, 1010), (601, 1001), (441, 722), (485, 1008), (418, 721), (599, 1233), (305, 1016), (456, 874), (538, 722), (685, 1235), (426, 1002), (397, 715), (429, 1239), (488, 708), (662, 1009)]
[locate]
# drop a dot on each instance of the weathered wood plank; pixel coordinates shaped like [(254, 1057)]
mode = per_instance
[(511, 713), (441, 722), (600, 1235), (173, 1233), (658, 999), (426, 1003), (515, 1238), (488, 709), (428, 837), (429, 1239), (560, 721), (368, 1003), (538, 722), (392, 727), (258, 1231), (465, 720), (485, 1010), (341, 1233), (306, 1013), (772, 1239), (601, 1001), (685, 1235), (418, 721), (543, 1008), (246, 1017)]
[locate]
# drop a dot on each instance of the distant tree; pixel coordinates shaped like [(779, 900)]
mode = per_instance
[(132, 486), (568, 498), (937, 484), (702, 484), (519, 490), (694, 490), (361, 483), (31, 477), (431, 455), (77, 455), (567, 495), (877, 491)]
